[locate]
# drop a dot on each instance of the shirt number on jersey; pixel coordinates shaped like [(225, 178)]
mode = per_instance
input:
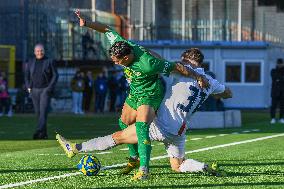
[(192, 99)]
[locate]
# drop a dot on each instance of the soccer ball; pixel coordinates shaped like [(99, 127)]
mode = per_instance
[(89, 165)]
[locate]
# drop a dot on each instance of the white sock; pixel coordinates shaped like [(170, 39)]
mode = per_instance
[(100, 143), (191, 165)]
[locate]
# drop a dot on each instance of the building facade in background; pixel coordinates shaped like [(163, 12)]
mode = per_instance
[(53, 23), (207, 20), (241, 39)]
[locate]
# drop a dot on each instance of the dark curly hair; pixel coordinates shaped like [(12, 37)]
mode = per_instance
[(120, 49), (192, 54)]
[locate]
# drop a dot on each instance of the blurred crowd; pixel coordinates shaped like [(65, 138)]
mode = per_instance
[(5, 100), (104, 93)]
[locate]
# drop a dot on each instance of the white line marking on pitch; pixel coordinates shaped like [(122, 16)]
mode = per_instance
[(210, 136), (235, 133), (223, 134), (124, 149), (108, 152), (255, 130), (195, 138), (154, 158), (246, 131)]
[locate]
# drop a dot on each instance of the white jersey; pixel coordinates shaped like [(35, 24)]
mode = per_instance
[(183, 97)]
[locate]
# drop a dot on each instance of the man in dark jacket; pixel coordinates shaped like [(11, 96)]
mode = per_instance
[(277, 91), (40, 79), (113, 88), (88, 91), (101, 91)]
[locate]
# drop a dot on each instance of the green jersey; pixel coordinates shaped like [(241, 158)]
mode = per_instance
[(143, 73)]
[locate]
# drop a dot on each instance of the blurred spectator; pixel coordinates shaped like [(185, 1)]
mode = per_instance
[(40, 78), (88, 45), (4, 97), (100, 91), (77, 86), (122, 91), (277, 91), (113, 88), (22, 98), (88, 92), (4, 75)]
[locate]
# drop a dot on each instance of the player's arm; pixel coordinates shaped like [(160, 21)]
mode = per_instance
[(226, 94), (93, 25), (185, 71), (153, 53)]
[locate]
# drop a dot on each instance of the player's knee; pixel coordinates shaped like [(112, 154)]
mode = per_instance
[(127, 120), (124, 119)]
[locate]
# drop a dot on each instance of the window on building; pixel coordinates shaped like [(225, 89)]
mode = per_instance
[(233, 72), (252, 72)]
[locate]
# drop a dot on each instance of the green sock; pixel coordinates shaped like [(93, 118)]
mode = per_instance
[(133, 148), (144, 143)]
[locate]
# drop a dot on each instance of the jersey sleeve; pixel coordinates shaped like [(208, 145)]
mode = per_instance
[(152, 65), (217, 87), (112, 36)]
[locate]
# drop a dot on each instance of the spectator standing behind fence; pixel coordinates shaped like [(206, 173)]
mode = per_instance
[(277, 91), (122, 91), (100, 92), (112, 88), (4, 97), (22, 99), (40, 79), (77, 86), (88, 92)]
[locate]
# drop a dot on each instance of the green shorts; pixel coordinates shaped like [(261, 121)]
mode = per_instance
[(134, 101)]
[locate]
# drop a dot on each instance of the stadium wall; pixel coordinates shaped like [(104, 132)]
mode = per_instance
[(242, 66)]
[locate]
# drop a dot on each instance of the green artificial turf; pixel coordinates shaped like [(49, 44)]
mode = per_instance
[(257, 164)]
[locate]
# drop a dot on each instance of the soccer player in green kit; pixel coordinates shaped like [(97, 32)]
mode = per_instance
[(142, 69)]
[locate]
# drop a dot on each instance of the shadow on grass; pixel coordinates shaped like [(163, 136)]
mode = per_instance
[(252, 164), (36, 170), (276, 173), (244, 184)]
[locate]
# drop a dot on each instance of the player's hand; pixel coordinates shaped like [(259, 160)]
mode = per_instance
[(81, 20), (29, 90), (203, 81)]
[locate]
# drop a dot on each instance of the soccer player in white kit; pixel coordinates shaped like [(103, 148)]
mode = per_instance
[(183, 97)]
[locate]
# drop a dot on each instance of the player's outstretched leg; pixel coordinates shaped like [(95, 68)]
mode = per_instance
[(99, 144), (68, 147)]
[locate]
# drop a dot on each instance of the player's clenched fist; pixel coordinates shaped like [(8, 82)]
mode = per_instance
[(82, 21), (203, 82)]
